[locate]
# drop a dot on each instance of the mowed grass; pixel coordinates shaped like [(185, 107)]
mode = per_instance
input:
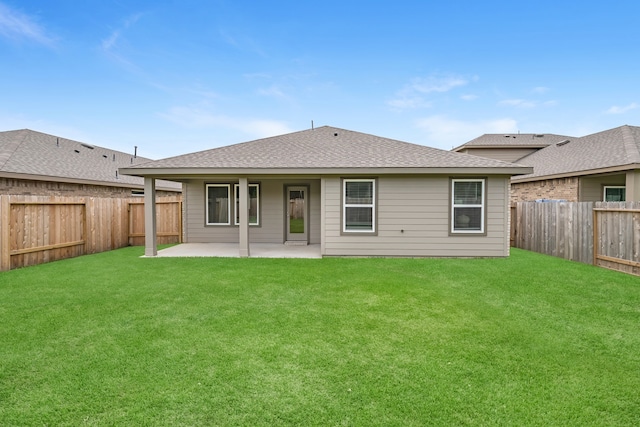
[(114, 339)]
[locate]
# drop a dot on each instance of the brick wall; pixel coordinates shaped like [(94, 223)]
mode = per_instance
[(23, 187), (560, 188)]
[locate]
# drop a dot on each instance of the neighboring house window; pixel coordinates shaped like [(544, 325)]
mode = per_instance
[(615, 194), (218, 204), (254, 204), (359, 200), (468, 205)]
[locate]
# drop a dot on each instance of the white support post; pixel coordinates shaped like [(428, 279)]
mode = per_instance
[(150, 227), (323, 216), (243, 189)]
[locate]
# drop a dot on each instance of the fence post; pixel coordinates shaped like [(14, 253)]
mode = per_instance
[(5, 248), (595, 235)]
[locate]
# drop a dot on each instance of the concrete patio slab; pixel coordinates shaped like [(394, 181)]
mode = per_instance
[(232, 250)]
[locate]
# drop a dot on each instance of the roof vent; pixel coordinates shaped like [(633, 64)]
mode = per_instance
[(539, 135), (335, 134), (90, 147), (564, 142), (77, 151), (105, 156)]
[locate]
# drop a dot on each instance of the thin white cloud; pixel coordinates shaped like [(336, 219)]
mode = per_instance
[(274, 92), (243, 42), (15, 25), (412, 95), (469, 97), (525, 103), (621, 110), (540, 89), (436, 84), (201, 117), (111, 41), (408, 102), (518, 103), (444, 132)]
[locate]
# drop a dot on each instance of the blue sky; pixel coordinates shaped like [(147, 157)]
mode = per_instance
[(174, 77)]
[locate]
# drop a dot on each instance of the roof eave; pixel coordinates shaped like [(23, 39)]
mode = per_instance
[(481, 147), (30, 177), (168, 173), (599, 171)]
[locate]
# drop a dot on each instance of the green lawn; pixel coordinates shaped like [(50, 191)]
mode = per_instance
[(114, 339)]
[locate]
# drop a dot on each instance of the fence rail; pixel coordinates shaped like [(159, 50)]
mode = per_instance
[(36, 229), (606, 234)]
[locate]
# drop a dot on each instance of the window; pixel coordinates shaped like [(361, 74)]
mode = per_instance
[(467, 210), (358, 211), (615, 194), (254, 204), (218, 206)]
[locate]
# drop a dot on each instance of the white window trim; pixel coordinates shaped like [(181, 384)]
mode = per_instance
[(481, 206), (228, 187), (606, 187), (371, 205), (236, 188)]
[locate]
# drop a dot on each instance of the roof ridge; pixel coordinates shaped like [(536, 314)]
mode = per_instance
[(12, 147), (630, 145)]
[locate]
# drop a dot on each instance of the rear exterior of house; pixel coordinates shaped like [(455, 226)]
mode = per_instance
[(399, 199), (411, 216)]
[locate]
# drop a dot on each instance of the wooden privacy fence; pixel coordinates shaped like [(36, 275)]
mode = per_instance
[(36, 229), (606, 234)]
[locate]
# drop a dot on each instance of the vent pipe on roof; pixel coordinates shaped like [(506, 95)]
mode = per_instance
[(117, 174), (57, 142), (311, 124), (114, 157), (135, 151)]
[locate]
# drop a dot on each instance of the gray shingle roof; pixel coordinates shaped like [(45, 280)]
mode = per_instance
[(611, 148), (323, 148), (28, 152), (514, 140)]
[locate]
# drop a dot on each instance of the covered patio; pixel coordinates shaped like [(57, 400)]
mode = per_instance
[(232, 250)]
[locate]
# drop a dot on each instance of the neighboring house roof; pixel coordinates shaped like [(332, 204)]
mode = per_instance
[(323, 150), (526, 140), (27, 154), (608, 151)]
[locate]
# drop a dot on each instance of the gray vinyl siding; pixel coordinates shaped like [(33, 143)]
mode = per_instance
[(419, 205), (272, 213), (592, 188)]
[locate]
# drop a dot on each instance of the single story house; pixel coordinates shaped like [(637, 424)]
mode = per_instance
[(38, 164), (354, 194), (603, 166)]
